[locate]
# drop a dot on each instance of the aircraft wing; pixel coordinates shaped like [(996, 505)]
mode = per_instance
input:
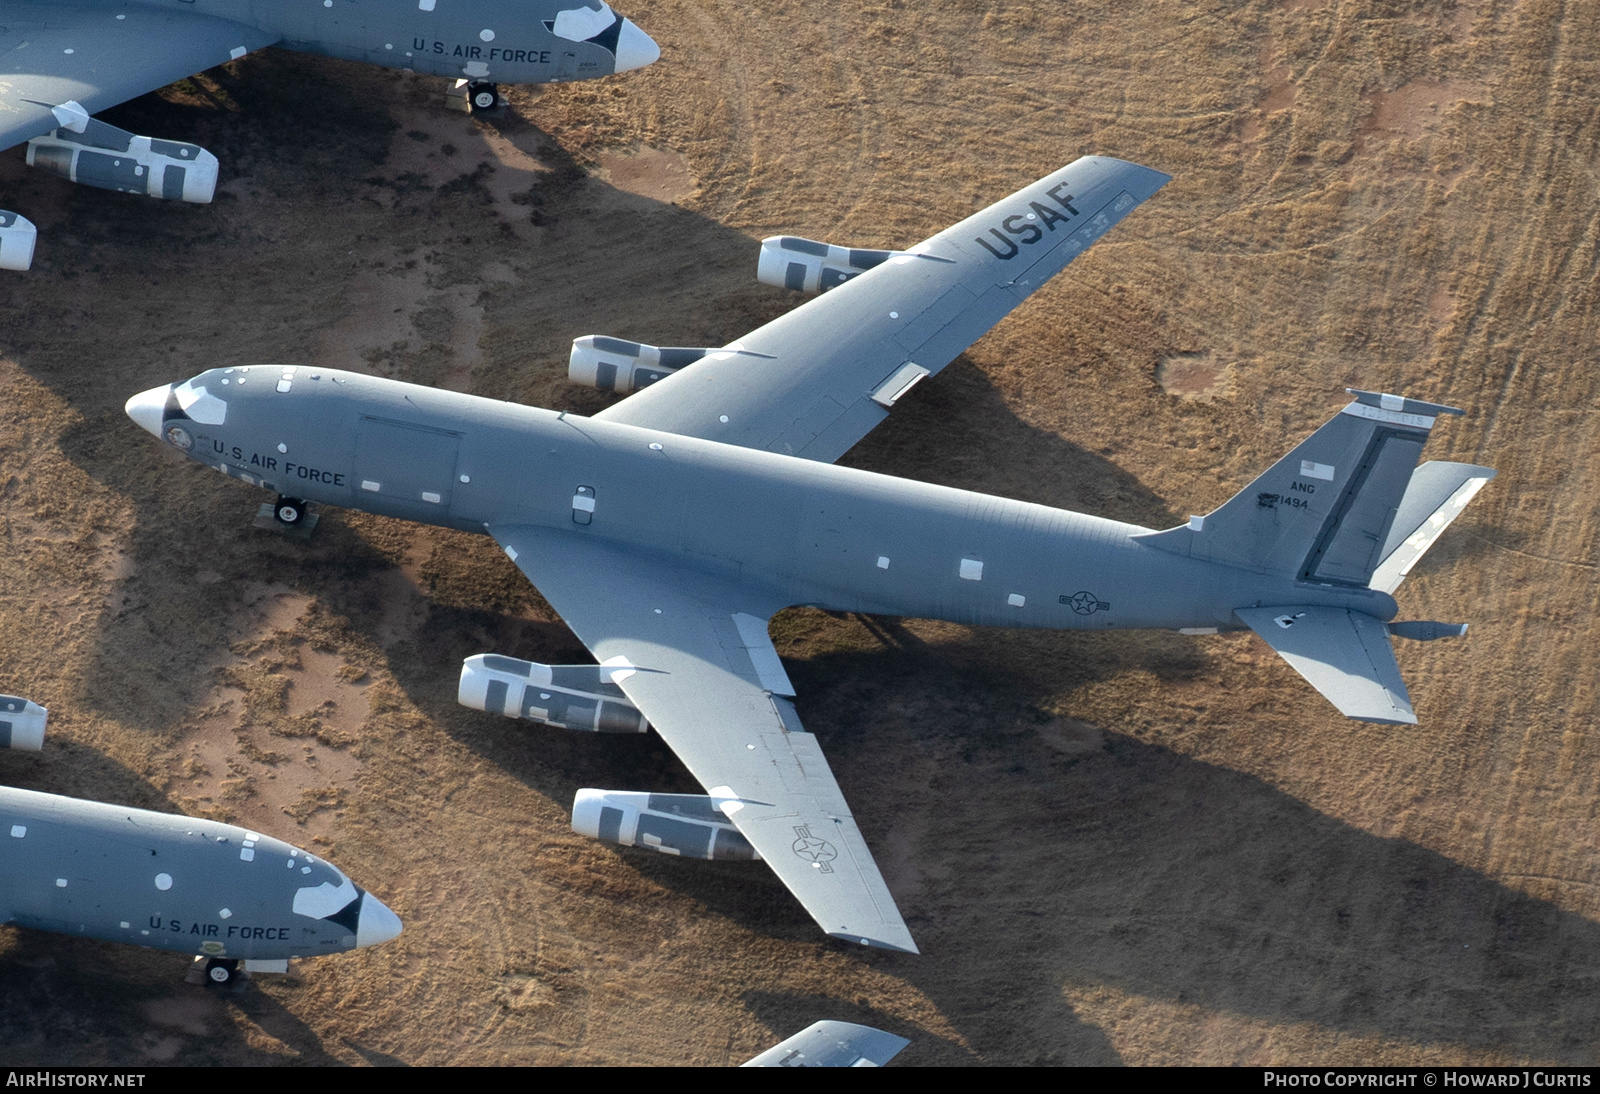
[(710, 682), (99, 55), (815, 381)]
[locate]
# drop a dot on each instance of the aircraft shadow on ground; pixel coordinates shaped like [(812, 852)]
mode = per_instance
[(1188, 885), (1127, 867)]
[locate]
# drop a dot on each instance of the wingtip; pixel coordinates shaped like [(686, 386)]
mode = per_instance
[(905, 946)]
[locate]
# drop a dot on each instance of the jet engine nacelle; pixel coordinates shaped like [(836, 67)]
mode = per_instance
[(113, 159), (579, 697), (21, 724), (623, 367), (674, 824), (804, 265), (17, 237)]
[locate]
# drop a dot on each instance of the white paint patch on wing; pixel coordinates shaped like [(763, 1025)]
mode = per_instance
[(971, 570), (614, 670), (725, 800), (581, 24), (321, 901), (758, 647), (71, 115)]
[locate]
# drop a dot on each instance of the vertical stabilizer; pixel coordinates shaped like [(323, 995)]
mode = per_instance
[(1323, 513)]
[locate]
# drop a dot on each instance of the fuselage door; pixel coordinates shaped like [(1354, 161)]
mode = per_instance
[(406, 463)]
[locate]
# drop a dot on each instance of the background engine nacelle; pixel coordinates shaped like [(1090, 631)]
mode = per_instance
[(674, 824), (114, 159), (623, 367), (21, 724), (804, 265), (17, 237), (566, 696)]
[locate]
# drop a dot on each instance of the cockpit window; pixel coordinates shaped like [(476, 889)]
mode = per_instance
[(200, 404)]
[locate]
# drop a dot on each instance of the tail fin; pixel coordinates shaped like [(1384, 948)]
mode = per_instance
[(1325, 512)]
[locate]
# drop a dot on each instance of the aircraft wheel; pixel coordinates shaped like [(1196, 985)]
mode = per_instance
[(290, 511), (483, 96), (221, 970)]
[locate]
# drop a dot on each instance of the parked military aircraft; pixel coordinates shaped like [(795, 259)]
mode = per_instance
[(62, 61), (169, 882), (669, 528)]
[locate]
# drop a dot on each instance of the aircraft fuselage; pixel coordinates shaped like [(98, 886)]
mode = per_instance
[(498, 41), (810, 533), (173, 882)]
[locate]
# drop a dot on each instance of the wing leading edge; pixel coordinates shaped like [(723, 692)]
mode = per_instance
[(708, 679), (99, 55), (815, 381)]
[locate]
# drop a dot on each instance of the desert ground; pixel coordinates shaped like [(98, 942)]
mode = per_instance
[(1141, 848)]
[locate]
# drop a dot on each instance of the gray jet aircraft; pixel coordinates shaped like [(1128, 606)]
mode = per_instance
[(832, 1044), (62, 61), (169, 882), (668, 529)]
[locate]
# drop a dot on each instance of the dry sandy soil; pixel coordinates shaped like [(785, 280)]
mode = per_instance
[(1141, 848)]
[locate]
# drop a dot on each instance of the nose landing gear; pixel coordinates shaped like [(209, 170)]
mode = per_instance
[(222, 971), (483, 95), (290, 517)]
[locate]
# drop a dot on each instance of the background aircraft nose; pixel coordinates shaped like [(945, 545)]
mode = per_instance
[(376, 923), (146, 408), (635, 48)]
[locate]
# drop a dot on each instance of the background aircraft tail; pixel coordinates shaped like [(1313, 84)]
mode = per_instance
[(1348, 507)]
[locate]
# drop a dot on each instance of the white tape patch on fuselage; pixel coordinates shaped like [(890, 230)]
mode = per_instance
[(581, 24), (321, 901)]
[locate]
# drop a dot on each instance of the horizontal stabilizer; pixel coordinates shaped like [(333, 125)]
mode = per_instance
[(1435, 496), (1345, 655), (1426, 631)]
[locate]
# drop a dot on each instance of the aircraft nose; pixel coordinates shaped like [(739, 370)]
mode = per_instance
[(376, 923), (635, 48), (147, 407)]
